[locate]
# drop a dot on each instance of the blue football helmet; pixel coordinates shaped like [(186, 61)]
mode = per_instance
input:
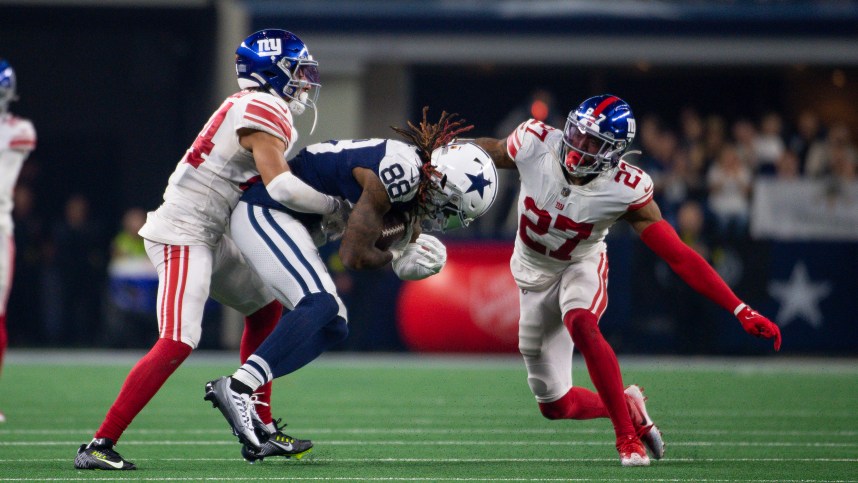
[(278, 60), (7, 85), (596, 135)]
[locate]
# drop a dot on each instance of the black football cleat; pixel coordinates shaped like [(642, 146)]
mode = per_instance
[(278, 444), (100, 455)]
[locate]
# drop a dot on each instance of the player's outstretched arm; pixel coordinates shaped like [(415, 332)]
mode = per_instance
[(662, 239), (358, 250), (283, 186), (497, 150)]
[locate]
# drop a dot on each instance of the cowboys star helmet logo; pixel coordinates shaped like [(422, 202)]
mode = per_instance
[(478, 183)]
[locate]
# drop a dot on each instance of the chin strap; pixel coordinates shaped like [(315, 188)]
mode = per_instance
[(629, 153), (299, 105)]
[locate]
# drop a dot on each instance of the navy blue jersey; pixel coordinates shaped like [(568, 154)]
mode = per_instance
[(327, 167)]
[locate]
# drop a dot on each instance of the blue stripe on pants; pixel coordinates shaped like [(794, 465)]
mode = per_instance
[(277, 253)]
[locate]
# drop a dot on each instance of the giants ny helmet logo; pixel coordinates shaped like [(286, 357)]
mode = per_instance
[(269, 47)]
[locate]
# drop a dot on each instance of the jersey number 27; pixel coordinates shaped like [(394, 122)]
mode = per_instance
[(543, 222)]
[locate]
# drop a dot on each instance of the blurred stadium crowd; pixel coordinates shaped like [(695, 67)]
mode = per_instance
[(703, 163)]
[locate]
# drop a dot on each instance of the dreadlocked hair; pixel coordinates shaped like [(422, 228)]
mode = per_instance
[(429, 137)]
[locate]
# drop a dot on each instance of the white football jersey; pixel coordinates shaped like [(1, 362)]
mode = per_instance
[(560, 223), (205, 187), (17, 139)]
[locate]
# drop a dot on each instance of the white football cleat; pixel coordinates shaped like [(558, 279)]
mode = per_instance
[(644, 427), (632, 452)]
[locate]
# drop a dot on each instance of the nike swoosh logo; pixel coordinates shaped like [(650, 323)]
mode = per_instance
[(285, 446), (118, 466)]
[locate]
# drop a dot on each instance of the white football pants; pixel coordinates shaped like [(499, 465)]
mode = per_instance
[(189, 274), (543, 339), (281, 251)]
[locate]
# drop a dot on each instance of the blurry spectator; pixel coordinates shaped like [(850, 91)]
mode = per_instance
[(769, 144), (715, 138), (729, 182), (29, 240), (788, 166), (132, 287), (657, 161), (690, 224), (649, 132), (808, 131), (692, 141), (821, 154), (73, 287), (843, 164), (680, 185), (744, 138)]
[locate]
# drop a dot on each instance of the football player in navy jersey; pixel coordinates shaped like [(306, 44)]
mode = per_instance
[(434, 184)]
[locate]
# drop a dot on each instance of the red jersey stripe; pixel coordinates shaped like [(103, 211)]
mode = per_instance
[(183, 283), (269, 118), (603, 280), (273, 114), (162, 299), (511, 148), (640, 204), (598, 295), (28, 143)]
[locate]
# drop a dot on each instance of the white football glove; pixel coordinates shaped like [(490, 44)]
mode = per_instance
[(423, 258), (334, 224)]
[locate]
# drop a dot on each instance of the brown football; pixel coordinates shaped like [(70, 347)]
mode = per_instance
[(393, 229)]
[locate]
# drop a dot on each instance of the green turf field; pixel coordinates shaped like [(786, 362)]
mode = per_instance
[(419, 419)]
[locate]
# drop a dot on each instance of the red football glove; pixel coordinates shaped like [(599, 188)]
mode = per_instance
[(757, 325)]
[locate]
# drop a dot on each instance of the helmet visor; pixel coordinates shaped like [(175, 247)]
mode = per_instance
[(309, 72)]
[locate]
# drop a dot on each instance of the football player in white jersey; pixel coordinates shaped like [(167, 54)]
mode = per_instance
[(574, 187), (17, 140), (442, 186), (248, 136)]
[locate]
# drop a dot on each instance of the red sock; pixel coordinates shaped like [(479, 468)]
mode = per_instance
[(602, 365), (4, 340), (257, 326), (578, 403), (144, 380)]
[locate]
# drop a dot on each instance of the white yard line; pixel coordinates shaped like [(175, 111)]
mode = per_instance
[(786, 444), (807, 365), (395, 478), (480, 460), (461, 430)]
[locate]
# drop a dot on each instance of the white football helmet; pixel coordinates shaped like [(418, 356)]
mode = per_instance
[(464, 186)]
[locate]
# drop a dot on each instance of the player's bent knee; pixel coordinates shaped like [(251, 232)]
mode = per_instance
[(323, 305), (554, 410), (337, 331), (583, 325), (537, 386), (530, 347)]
